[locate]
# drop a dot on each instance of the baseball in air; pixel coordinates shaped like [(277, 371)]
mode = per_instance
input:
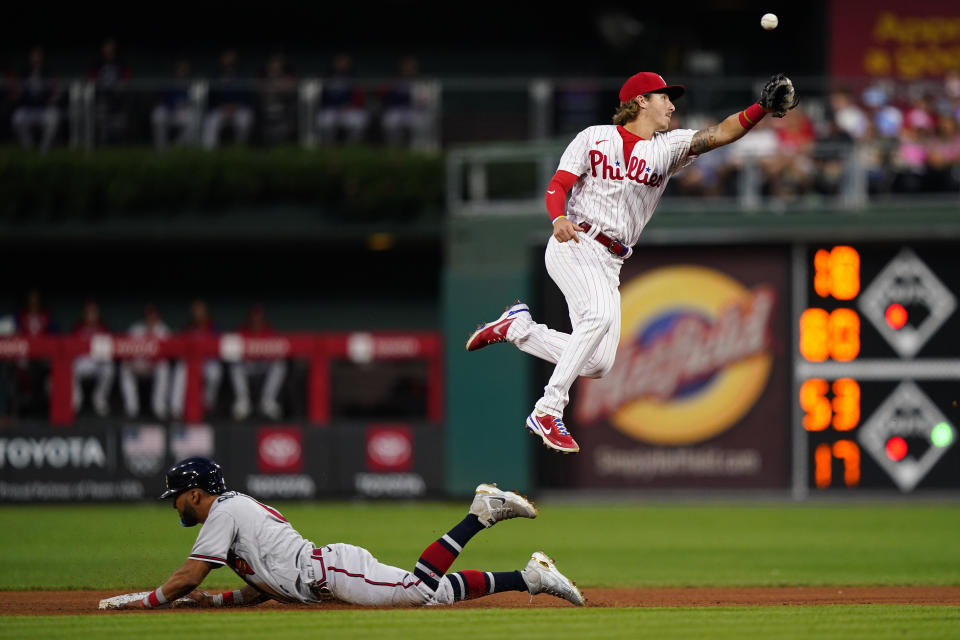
[(769, 21)]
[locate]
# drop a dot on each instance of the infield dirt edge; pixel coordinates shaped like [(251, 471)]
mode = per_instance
[(85, 602)]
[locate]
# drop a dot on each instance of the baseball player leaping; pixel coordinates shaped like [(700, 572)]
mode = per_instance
[(276, 562), (614, 175)]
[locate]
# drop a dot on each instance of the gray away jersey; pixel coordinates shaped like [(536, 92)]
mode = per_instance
[(258, 543)]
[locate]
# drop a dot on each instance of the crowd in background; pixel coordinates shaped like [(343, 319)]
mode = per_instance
[(259, 108), (905, 138), (25, 387)]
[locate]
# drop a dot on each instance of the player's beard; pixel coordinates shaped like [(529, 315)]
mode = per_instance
[(188, 518)]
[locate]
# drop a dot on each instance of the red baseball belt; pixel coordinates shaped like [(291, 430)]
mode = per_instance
[(615, 247)]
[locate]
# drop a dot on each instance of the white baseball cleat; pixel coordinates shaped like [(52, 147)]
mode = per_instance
[(491, 505), (542, 576)]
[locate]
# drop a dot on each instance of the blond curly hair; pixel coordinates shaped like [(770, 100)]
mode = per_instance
[(626, 112)]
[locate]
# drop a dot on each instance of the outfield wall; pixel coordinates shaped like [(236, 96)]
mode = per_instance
[(492, 260), (790, 434), (288, 461)]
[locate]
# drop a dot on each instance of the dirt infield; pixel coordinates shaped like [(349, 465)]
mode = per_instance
[(85, 602)]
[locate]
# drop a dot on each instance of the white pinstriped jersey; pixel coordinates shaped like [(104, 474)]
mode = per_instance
[(258, 543), (615, 193)]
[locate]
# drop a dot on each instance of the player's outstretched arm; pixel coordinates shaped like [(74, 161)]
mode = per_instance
[(184, 580), (237, 598), (777, 97)]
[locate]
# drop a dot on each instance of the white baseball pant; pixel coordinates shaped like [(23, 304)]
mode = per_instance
[(274, 372), (131, 371), (212, 374), (589, 277), (352, 574), (103, 371)]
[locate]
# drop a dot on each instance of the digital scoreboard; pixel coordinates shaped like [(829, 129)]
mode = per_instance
[(876, 366)]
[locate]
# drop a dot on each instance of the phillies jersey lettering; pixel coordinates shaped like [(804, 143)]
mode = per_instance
[(618, 195), (638, 171)]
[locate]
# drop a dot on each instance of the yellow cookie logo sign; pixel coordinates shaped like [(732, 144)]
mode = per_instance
[(694, 357)]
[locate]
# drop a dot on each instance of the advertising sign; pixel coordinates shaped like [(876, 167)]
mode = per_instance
[(894, 39), (697, 395)]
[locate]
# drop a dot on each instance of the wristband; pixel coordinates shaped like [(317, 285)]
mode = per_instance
[(227, 598), (750, 116), (154, 599), (557, 218)]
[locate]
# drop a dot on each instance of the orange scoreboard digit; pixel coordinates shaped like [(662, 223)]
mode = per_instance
[(877, 367)]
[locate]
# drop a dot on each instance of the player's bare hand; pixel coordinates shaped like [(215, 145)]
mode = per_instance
[(564, 230), (196, 598)]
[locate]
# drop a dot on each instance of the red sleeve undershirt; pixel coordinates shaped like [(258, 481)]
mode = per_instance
[(556, 196)]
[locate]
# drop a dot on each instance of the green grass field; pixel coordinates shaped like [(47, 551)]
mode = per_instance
[(136, 547)]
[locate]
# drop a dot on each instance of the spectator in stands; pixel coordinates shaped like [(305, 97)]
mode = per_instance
[(32, 320), (343, 112), (793, 171), (231, 104), (88, 366), (873, 155), (877, 94), (951, 84), (910, 161), (920, 114), (848, 116), (135, 369), (199, 325), (278, 93), (36, 95), (709, 175), (8, 324), (175, 112), (753, 159), (943, 156), (8, 370), (888, 121), (886, 117), (832, 156), (110, 75), (950, 102), (405, 117), (272, 371)]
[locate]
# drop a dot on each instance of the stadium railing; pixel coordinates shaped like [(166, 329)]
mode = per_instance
[(320, 350)]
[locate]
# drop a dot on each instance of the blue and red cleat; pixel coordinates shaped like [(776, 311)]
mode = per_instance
[(552, 431), (496, 331)]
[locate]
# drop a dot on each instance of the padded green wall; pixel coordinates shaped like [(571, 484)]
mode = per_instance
[(488, 391)]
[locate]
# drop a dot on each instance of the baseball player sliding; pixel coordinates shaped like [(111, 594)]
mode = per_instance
[(614, 176), (276, 562)]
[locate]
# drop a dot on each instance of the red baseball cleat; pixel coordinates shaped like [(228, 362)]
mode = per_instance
[(552, 431), (496, 331)]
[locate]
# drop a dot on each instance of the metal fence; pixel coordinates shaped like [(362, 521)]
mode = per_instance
[(453, 110), (504, 136)]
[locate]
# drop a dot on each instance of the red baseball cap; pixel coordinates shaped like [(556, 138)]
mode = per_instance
[(646, 82)]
